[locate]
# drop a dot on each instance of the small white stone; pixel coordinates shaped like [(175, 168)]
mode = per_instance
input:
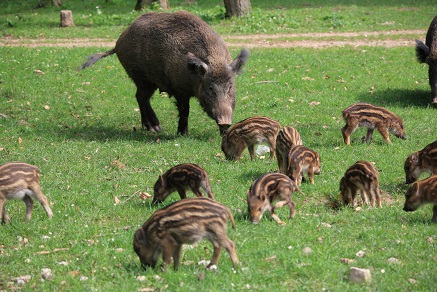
[(307, 250), (141, 278), (46, 274), (360, 254)]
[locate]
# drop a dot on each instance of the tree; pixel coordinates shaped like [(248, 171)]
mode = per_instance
[(163, 3), (237, 7)]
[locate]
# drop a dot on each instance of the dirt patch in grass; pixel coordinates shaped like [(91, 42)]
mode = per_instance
[(394, 38)]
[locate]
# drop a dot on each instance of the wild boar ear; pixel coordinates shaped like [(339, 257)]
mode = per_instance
[(414, 157), (239, 62), (140, 236), (196, 66), (262, 196)]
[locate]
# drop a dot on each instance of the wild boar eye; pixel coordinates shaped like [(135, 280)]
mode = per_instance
[(260, 209)]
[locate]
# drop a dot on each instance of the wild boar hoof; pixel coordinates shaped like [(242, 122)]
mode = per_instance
[(154, 129)]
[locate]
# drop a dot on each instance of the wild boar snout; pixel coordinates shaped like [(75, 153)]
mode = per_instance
[(408, 208)]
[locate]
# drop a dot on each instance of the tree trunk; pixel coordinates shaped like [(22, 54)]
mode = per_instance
[(237, 7), (57, 3), (66, 18), (141, 3)]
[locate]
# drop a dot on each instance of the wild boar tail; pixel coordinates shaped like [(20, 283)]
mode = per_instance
[(422, 51), (94, 58)]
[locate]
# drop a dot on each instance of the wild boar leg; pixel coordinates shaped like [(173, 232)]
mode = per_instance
[(272, 147), (228, 245), (143, 95), (375, 192), (292, 206), (239, 150), (369, 135), (279, 204), (251, 149), (29, 205), (181, 192), (215, 255), (183, 104), (197, 192), (434, 213), (177, 256), (169, 247), (3, 215), (208, 190), (384, 133), (42, 200), (311, 174)]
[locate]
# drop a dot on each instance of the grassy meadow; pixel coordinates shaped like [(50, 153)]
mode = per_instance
[(82, 129)]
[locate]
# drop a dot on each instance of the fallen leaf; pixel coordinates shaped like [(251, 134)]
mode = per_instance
[(20, 140), (46, 107), (271, 258), (314, 103), (347, 261), (38, 72), (117, 201), (118, 164), (145, 196), (308, 78)]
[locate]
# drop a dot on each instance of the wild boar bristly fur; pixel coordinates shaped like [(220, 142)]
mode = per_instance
[(267, 189), (180, 54), (301, 160), (420, 161), (422, 192), (184, 222), (287, 138), (20, 181), (182, 177), (372, 117), (249, 133), (427, 53), (361, 177)]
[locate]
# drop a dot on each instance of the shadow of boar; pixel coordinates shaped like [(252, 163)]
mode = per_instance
[(180, 54)]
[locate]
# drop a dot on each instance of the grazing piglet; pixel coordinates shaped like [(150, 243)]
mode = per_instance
[(372, 117), (184, 222), (248, 133), (266, 189), (427, 53), (20, 180), (287, 138), (181, 178), (180, 54), (422, 192), (362, 178), (301, 159), (421, 161)]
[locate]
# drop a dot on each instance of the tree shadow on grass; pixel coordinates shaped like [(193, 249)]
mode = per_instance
[(400, 97)]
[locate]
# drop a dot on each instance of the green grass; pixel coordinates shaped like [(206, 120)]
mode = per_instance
[(107, 19), (76, 125)]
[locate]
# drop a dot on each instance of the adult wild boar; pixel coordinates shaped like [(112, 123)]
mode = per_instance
[(180, 54), (427, 53)]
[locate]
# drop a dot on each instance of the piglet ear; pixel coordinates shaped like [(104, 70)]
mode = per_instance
[(196, 66), (414, 157), (139, 237), (239, 62)]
